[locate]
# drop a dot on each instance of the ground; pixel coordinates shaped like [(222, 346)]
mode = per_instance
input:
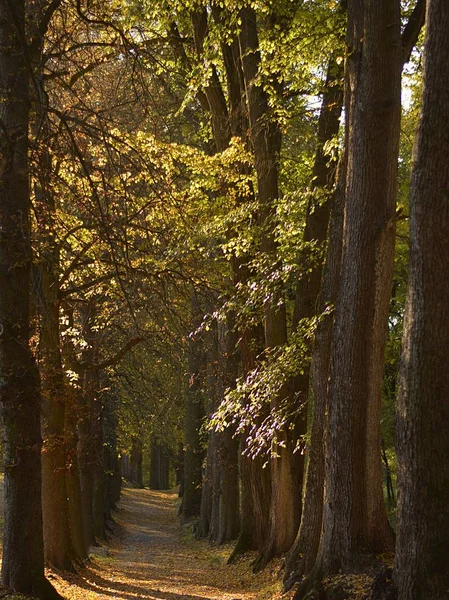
[(149, 556)]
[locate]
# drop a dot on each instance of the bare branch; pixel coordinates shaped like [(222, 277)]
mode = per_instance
[(110, 362), (412, 29)]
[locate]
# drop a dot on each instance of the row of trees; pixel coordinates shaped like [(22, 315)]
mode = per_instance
[(67, 272), (189, 234)]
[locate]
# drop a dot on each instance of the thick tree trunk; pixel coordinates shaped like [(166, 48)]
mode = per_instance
[(76, 516), (23, 548), (421, 569), (216, 489), (90, 432), (202, 529), (255, 492), (229, 519), (301, 558), (223, 450), (126, 467), (57, 540), (306, 306), (210, 492), (286, 468), (255, 479), (354, 519), (318, 212), (227, 121)]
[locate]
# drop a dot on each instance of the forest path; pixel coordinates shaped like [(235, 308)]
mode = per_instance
[(150, 557)]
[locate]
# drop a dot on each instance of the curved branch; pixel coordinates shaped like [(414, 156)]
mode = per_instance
[(110, 362), (412, 29)]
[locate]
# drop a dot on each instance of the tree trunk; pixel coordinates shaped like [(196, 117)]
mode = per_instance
[(73, 475), (229, 520), (58, 548), (194, 411), (111, 460), (23, 548), (159, 473), (228, 452), (76, 516), (286, 473), (354, 519), (85, 454), (302, 555), (422, 550), (256, 486), (126, 467), (136, 460), (57, 539), (255, 479), (216, 488), (210, 492), (306, 306), (97, 464)]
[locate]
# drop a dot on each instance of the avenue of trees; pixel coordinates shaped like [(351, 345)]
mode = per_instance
[(224, 264)]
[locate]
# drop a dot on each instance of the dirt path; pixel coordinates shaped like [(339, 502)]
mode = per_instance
[(150, 557)]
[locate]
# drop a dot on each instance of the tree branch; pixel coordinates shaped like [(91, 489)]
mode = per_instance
[(110, 362), (86, 285), (412, 29), (43, 25)]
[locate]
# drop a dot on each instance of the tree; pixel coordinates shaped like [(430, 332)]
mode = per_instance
[(422, 548), (286, 467), (194, 411), (23, 555), (354, 517)]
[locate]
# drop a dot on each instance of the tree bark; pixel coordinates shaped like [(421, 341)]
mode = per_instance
[(73, 484), (58, 548), (210, 492), (57, 540), (286, 473), (194, 411), (85, 429), (354, 519), (23, 548), (232, 119), (421, 569), (93, 390), (111, 460), (306, 306), (228, 518), (159, 472), (301, 558), (136, 460), (73, 475)]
